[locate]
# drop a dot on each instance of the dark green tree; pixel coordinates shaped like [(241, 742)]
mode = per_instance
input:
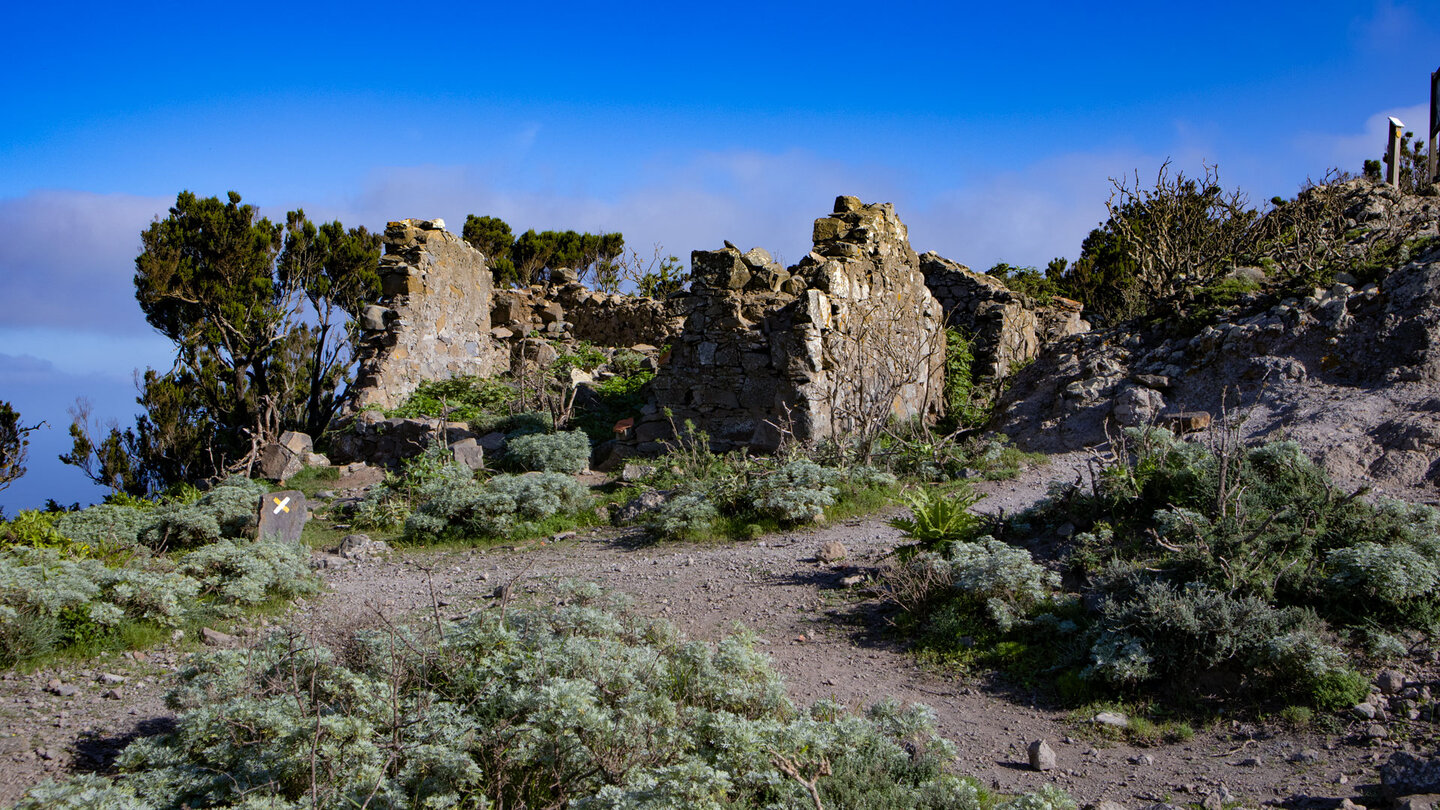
[(535, 255), (336, 271), (260, 315), (14, 441), (493, 237)]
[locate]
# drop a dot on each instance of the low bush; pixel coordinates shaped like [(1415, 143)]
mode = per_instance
[(683, 517), (48, 600), (78, 579), (564, 452), (1240, 566), (462, 507), (578, 705)]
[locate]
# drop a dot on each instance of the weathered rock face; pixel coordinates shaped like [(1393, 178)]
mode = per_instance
[(1008, 328), (1352, 374), (849, 334), (433, 320)]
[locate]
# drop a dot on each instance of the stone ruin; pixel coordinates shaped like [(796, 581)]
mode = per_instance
[(433, 319), (849, 334), (852, 333)]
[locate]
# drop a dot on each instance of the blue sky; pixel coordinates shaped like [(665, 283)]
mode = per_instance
[(992, 128)]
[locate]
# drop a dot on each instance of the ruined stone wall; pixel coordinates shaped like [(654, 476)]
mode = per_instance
[(576, 312), (1008, 328), (849, 332), (433, 318)]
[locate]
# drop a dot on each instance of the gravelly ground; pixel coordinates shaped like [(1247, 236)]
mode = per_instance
[(827, 640)]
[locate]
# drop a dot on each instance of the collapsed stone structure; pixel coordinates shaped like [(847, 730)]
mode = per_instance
[(849, 335), (433, 319), (1008, 328)]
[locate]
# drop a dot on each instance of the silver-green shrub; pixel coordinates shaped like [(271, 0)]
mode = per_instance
[(238, 573), (575, 705), (683, 516), (797, 492), (564, 452), (230, 509), (104, 526), (468, 508)]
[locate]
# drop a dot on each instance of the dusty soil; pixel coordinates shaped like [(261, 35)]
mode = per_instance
[(827, 640)]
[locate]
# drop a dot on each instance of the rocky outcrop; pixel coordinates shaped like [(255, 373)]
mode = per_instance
[(847, 336), (1008, 328), (1351, 371), (433, 318)]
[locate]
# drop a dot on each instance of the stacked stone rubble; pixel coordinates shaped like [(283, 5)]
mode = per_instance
[(1008, 328), (433, 318), (849, 332), (572, 311)]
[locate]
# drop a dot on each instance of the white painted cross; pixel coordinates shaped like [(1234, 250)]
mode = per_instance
[(279, 504)]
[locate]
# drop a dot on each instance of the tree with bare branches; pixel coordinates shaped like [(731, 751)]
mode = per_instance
[(1182, 232)]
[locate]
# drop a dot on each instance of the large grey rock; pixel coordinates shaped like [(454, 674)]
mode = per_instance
[(361, 547), (1137, 406), (278, 462), (297, 442), (282, 516), (1042, 756), (1405, 774), (642, 504), (469, 453)]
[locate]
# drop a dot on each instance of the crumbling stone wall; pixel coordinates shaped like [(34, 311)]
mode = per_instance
[(848, 333), (433, 319), (1008, 328), (576, 312)]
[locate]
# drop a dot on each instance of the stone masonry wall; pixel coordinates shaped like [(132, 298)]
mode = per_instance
[(1009, 328), (849, 332), (576, 312), (433, 319)]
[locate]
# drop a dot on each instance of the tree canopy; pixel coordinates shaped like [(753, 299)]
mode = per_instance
[(533, 256), (260, 315)]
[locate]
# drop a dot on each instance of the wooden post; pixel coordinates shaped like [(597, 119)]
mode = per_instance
[(1392, 152), (1434, 124)]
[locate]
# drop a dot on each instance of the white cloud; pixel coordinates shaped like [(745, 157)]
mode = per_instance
[(69, 259), (1350, 151)]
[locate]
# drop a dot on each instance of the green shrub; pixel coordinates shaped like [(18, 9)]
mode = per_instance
[(797, 492), (938, 517), (574, 706), (683, 517), (469, 399), (565, 452), (31, 528), (504, 504)]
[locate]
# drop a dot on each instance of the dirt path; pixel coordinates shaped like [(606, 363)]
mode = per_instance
[(827, 640)]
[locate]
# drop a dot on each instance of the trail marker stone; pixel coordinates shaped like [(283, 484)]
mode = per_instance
[(283, 515)]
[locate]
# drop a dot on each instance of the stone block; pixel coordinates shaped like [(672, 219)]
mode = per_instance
[(829, 229), (469, 453), (282, 516), (297, 442), (719, 269), (845, 204), (278, 462)]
